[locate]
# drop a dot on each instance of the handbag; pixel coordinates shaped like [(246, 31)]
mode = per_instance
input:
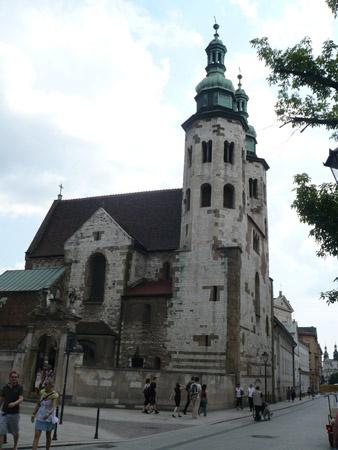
[(55, 420)]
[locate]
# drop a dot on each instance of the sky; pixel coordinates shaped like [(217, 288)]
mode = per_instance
[(93, 94)]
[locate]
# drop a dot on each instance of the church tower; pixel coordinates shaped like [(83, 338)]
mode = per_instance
[(221, 316)]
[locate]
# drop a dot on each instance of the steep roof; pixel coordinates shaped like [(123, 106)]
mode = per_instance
[(152, 218)]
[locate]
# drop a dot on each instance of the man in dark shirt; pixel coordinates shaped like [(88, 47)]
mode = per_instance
[(11, 397)]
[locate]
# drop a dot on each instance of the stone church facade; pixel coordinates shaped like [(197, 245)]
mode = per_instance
[(171, 283)]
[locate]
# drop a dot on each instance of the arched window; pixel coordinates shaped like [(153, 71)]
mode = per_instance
[(189, 156), (255, 189), (257, 296), (187, 200), (96, 277), (255, 241), (250, 187), (229, 148), (205, 195), (206, 151), (228, 196)]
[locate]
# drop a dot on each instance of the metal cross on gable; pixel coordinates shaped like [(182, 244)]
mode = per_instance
[(61, 188)]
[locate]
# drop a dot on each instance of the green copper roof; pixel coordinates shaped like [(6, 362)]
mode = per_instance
[(29, 280), (251, 131), (215, 80)]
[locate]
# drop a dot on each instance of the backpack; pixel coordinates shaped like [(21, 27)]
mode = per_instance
[(193, 390)]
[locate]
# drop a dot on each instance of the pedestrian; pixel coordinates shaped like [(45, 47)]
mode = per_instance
[(309, 392), (239, 396), (187, 388), (258, 403), (251, 390), (288, 394), (44, 412), (11, 397), (152, 396), (293, 393), (195, 391), (38, 381), (146, 394), (176, 395), (204, 400)]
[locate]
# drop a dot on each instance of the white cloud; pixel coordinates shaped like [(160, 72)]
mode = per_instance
[(249, 8)]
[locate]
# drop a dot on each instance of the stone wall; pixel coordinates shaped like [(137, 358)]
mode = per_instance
[(124, 387)]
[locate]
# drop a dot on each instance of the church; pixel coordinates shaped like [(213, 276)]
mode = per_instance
[(169, 283)]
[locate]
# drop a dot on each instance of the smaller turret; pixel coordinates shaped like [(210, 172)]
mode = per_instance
[(335, 353), (325, 355), (241, 98)]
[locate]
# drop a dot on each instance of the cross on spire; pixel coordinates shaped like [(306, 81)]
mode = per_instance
[(60, 193)]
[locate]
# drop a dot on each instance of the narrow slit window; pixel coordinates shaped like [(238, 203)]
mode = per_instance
[(205, 195)]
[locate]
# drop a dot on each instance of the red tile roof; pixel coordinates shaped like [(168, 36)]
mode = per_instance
[(152, 218), (148, 288)]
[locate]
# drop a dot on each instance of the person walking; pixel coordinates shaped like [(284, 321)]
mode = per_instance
[(204, 400), (11, 397), (251, 390), (146, 394), (187, 388), (239, 396), (257, 403), (293, 394), (44, 413), (195, 391), (288, 394), (152, 396), (176, 395)]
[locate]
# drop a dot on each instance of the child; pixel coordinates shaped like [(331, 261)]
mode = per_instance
[(204, 400), (176, 394)]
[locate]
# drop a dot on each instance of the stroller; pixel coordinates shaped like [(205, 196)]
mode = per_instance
[(266, 412)]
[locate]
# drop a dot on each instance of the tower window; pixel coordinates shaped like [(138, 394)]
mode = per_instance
[(206, 151), (253, 188), (229, 148), (187, 200), (166, 270), (228, 196), (205, 195), (189, 156), (255, 241)]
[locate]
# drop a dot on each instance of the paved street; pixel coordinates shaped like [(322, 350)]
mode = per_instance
[(298, 426)]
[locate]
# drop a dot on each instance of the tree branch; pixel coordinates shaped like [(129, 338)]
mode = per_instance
[(310, 76), (332, 123)]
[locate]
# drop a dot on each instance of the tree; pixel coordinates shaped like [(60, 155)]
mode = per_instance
[(308, 97), (318, 207)]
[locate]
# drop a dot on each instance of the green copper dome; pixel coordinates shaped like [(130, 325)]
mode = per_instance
[(251, 132), (215, 80)]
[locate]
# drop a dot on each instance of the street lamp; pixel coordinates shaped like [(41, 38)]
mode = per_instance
[(265, 358), (300, 383), (332, 162), (70, 346)]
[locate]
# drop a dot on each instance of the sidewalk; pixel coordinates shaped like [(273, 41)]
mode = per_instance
[(121, 424)]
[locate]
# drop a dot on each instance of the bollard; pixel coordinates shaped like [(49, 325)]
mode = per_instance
[(55, 434), (96, 436)]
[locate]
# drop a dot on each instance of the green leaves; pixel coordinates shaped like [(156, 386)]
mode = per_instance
[(308, 85), (318, 207)]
